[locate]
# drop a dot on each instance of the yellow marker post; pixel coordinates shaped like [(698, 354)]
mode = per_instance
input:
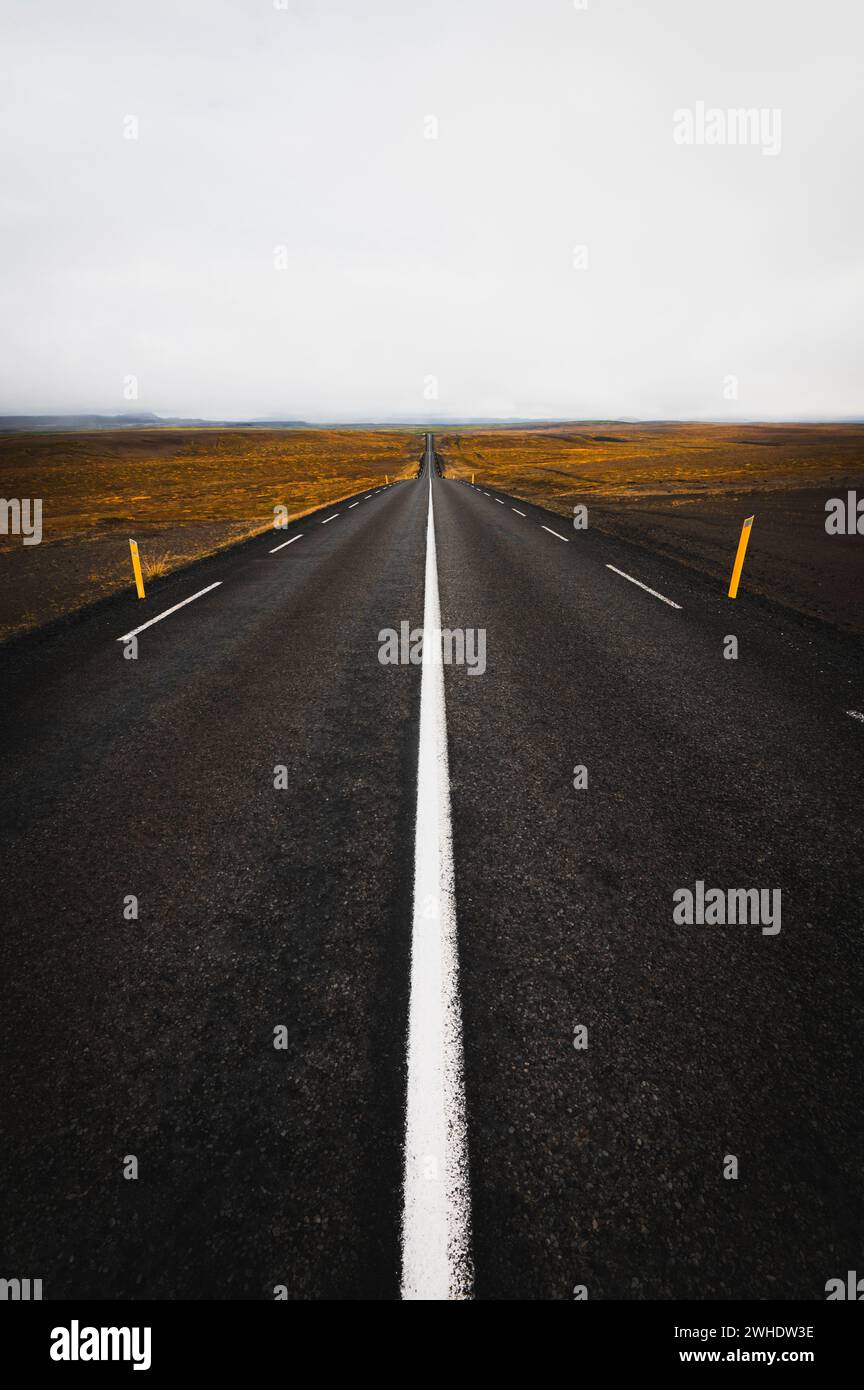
[(739, 558), (472, 479), (136, 565)]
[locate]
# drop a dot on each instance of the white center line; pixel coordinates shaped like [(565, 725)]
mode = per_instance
[(284, 543), (168, 611), (856, 714), (436, 1215), (565, 539), (498, 500), (653, 592), (353, 504), (517, 511), (368, 495), (329, 518)]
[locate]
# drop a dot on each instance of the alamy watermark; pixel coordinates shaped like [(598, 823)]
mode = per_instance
[(77, 1343), (845, 515), (20, 1290), (850, 1288), (21, 517), (456, 646), (718, 906), (761, 126)]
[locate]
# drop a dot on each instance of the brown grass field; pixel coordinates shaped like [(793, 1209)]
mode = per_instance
[(681, 489), (684, 490), (181, 493)]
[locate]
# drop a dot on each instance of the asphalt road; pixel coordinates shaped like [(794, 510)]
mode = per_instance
[(264, 907)]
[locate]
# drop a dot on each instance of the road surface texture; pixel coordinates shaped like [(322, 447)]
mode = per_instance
[(251, 777)]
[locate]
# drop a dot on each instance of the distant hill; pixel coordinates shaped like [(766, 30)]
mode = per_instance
[(145, 420), (148, 420)]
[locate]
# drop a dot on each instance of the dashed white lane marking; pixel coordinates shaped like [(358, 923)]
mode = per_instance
[(498, 500), (487, 494), (329, 518), (565, 539), (368, 495), (517, 511), (855, 714), (653, 592), (284, 543), (353, 504), (169, 611), (436, 1215)]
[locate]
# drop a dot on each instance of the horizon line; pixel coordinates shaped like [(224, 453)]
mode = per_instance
[(143, 419)]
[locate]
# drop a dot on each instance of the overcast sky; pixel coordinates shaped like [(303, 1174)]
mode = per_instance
[(716, 280)]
